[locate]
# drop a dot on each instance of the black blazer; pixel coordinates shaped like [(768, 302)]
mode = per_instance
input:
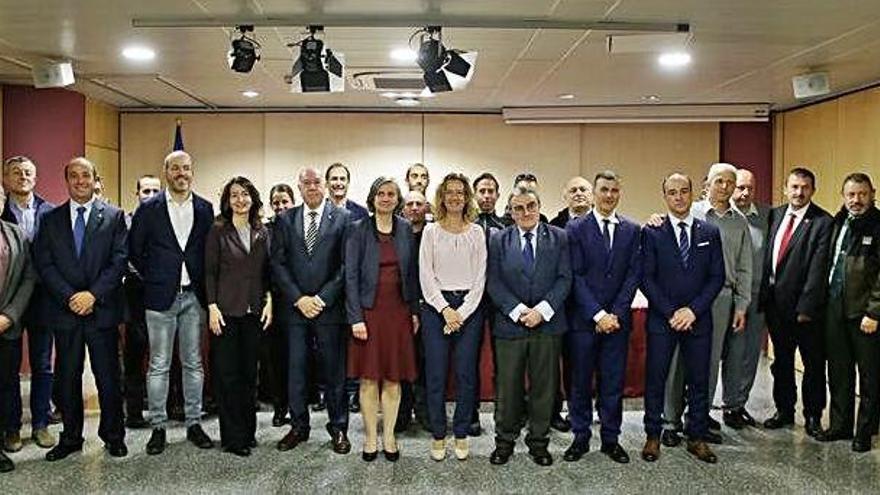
[(236, 279), (801, 283), (298, 274), (861, 292), (99, 270), (362, 266), (156, 255)]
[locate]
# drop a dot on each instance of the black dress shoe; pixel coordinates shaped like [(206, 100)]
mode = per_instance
[(320, 405), (61, 451), (779, 421), (156, 445), (116, 449), (369, 456), (558, 423), (615, 452), (291, 440), (813, 425), (391, 456), (354, 403), (714, 425), (6, 464), (136, 422), (340, 442), (279, 418), (747, 418), (577, 449), (670, 438), (541, 457), (55, 417), (713, 437), (197, 436), (830, 435), (500, 456), (734, 419), (239, 451), (861, 444)]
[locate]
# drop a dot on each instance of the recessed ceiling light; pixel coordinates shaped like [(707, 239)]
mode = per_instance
[(250, 94), (138, 53), (566, 96), (674, 59), (651, 99), (408, 102), (389, 94), (404, 55)]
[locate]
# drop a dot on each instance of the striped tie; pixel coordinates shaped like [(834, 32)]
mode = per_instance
[(683, 243), (312, 232)]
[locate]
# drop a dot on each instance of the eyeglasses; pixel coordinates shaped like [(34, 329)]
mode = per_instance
[(528, 207)]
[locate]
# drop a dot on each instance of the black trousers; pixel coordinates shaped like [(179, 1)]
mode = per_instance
[(70, 348), (331, 343), (234, 357), (9, 350), (788, 336), (273, 366), (848, 347)]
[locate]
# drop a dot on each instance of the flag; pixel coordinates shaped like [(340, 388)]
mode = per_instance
[(178, 137)]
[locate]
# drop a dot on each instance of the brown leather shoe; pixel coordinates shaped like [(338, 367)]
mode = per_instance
[(340, 442), (701, 451), (291, 440), (651, 450)]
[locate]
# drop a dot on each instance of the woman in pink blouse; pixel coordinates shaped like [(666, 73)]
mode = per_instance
[(452, 272)]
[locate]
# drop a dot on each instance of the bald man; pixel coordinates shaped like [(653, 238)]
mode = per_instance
[(578, 196)]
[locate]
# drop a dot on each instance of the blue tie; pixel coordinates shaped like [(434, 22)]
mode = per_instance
[(79, 229), (529, 251), (683, 244)]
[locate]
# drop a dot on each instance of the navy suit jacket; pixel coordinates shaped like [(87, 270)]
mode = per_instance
[(156, 255), (603, 280), (98, 270), (509, 282), (356, 211), (669, 284), (298, 274), (34, 314), (362, 266)]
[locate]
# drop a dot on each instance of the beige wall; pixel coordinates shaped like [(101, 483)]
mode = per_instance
[(271, 147), (102, 144)]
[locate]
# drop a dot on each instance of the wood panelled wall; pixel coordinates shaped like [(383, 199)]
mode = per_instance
[(102, 145), (271, 147)]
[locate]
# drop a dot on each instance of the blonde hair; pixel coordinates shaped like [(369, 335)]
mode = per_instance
[(470, 207)]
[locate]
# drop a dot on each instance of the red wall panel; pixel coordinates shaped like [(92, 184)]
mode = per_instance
[(750, 145)]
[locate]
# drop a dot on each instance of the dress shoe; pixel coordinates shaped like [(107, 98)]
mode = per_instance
[(239, 451), (747, 418), (291, 440), (391, 456), (713, 424), (733, 419), (651, 450), (340, 443), (461, 448), (813, 425), (558, 423), (6, 464), (713, 437), (116, 449), (861, 444), (12, 441), (320, 404), (541, 456), (43, 438), (156, 445), (701, 451), (830, 435), (369, 456), (671, 438), (61, 451), (55, 417), (354, 403), (779, 421), (438, 449), (197, 436), (501, 455), (136, 422), (578, 448), (615, 452), (279, 418)]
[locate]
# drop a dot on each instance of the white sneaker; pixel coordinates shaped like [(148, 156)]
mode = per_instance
[(461, 448), (438, 450)]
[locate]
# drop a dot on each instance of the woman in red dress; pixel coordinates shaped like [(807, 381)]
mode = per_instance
[(381, 283)]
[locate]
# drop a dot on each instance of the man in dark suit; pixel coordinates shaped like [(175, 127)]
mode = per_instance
[(25, 208), (167, 248), (793, 296), (683, 273), (852, 315), (307, 262), (80, 256), (529, 278), (605, 259)]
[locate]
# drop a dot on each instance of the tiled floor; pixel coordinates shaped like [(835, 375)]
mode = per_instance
[(751, 461)]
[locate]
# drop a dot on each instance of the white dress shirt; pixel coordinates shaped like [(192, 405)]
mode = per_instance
[(613, 221), (542, 307), (777, 240), (307, 218), (689, 220), (182, 217)]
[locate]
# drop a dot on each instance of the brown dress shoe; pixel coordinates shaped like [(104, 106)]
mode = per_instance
[(291, 440), (340, 442), (651, 451), (701, 451)]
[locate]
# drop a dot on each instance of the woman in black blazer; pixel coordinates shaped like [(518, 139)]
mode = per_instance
[(381, 285), (239, 307)]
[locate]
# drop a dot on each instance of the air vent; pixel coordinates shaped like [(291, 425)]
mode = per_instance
[(390, 80)]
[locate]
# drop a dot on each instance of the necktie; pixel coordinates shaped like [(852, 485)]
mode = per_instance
[(786, 238), (529, 251), (606, 233), (684, 245), (79, 229), (838, 272), (312, 232)]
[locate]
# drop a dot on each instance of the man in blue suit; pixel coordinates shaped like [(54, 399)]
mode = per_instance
[(308, 266), (683, 273), (605, 259), (81, 256), (529, 278), (167, 247)]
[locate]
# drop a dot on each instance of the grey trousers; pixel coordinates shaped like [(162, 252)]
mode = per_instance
[(673, 402), (742, 353)]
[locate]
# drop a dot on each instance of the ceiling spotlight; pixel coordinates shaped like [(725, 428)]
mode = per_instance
[(317, 69), (404, 55), (408, 102), (245, 51), (651, 99), (138, 53), (566, 96), (674, 60), (444, 69), (250, 94)]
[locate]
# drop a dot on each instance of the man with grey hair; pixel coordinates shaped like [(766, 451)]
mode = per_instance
[(729, 306)]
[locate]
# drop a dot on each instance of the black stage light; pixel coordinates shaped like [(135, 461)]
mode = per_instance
[(245, 51), (318, 69), (444, 69)]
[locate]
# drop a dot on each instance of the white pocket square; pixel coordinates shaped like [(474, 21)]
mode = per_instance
[(706, 243)]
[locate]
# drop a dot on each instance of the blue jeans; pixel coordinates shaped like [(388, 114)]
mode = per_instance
[(40, 357), (464, 345), (184, 319)]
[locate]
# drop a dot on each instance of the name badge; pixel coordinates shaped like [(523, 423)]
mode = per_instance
[(703, 244), (866, 241)]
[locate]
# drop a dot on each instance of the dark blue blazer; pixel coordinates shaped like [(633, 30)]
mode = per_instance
[(356, 211), (510, 283), (323, 273), (34, 314), (99, 270), (603, 280), (362, 266), (40, 205), (669, 284), (156, 255)]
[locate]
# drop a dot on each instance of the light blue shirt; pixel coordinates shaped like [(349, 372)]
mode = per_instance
[(73, 213), (25, 217)]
